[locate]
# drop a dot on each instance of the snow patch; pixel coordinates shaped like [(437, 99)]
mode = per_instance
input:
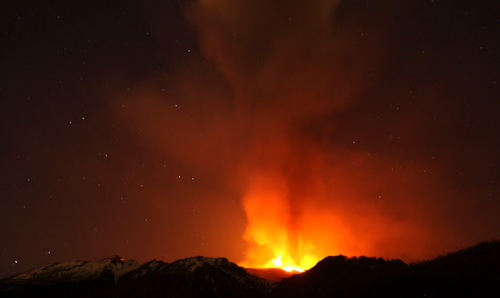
[(78, 270), (191, 264)]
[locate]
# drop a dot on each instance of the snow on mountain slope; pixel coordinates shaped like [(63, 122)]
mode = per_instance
[(216, 275), (190, 264), (204, 265), (150, 267), (77, 271)]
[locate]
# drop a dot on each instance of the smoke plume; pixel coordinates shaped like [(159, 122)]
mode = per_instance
[(284, 106)]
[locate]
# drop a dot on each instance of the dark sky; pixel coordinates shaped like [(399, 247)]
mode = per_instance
[(235, 128)]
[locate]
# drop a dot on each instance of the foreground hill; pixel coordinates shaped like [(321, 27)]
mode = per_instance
[(472, 272)]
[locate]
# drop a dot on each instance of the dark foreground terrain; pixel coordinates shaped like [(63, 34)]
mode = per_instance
[(472, 272)]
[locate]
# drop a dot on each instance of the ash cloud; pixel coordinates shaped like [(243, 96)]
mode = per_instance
[(299, 110), (290, 72)]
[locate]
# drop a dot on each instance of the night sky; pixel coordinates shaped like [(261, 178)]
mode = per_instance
[(169, 129)]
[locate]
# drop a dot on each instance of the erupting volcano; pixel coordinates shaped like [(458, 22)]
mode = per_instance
[(284, 111), (271, 133), (279, 236)]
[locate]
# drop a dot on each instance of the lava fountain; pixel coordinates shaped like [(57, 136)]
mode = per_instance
[(279, 236)]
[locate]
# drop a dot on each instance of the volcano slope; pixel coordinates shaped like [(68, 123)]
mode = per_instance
[(472, 272)]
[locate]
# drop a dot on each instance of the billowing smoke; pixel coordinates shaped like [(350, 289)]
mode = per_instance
[(290, 73), (280, 108)]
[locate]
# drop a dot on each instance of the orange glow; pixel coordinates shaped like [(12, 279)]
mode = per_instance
[(289, 268), (279, 238)]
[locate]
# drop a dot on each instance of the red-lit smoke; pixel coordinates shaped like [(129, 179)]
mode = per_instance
[(263, 111)]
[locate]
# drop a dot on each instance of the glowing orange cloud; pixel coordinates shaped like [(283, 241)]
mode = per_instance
[(271, 240), (284, 69), (271, 112)]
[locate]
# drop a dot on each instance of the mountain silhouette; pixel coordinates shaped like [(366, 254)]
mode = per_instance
[(471, 272)]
